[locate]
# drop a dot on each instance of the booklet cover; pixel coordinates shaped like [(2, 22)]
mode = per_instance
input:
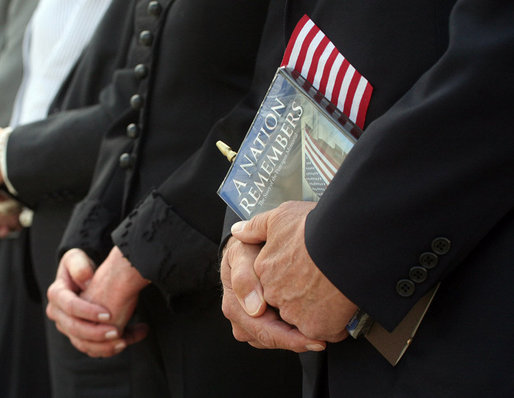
[(292, 150)]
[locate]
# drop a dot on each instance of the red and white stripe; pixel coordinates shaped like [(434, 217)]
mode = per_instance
[(311, 53), (325, 166)]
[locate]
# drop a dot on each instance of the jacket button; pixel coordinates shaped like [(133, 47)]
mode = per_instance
[(405, 287), (418, 274), (441, 245), (141, 71), (136, 102), (132, 130), (154, 8), (126, 161), (146, 38), (428, 260)]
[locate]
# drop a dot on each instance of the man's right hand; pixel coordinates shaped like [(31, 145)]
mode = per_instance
[(263, 328)]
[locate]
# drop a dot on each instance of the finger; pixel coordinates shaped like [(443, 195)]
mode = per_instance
[(269, 331), (254, 230), (135, 333), (244, 281), (96, 350), (79, 266), (68, 302), (80, 329)]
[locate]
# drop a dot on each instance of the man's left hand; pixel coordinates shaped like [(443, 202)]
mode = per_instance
[(290, 280)]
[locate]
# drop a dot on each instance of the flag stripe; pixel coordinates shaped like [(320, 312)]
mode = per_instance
[(350, 94), (327, 47), (322, 154), (322, 171), (304, 50), (333, 74), (293, 40), (311, 61), (297, 47), (363, 108), (326, 71), (339, 88), (357, 98)]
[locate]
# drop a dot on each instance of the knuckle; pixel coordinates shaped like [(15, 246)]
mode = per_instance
[(239, 335), (51, 292), (49, 311), (287, 316), (79, 345), (265, 338), (226, 308), (73, 328), (272, 298), (67, 306), (59, 327)]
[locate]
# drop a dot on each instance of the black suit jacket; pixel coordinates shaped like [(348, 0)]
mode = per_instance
[(189, 63), (435, 161)]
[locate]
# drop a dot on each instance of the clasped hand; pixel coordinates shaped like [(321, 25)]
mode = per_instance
[(274, 295), (92, 307)]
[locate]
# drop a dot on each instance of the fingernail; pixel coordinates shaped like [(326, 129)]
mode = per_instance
[(314, 347), (111, 334), (104, 316), (119, 347), (238, 227), (252, 303)]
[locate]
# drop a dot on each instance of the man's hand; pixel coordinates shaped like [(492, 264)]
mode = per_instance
[(9, 215), (263, 328), (96, 328), (290, 280)]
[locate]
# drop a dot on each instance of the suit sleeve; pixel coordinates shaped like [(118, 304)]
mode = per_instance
[(55, 157), (172, 237), (430, 178)]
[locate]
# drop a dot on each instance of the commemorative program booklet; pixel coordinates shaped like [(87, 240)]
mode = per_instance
[(293, 149)]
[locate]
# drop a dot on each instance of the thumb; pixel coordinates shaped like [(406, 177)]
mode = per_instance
[(245, 283), (80, 267)]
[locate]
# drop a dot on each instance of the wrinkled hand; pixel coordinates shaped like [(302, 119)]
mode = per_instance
[(92, 308), (9, 215), (290, 280), (263, 328)]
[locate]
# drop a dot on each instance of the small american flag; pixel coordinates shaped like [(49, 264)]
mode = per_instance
[(312, 54)]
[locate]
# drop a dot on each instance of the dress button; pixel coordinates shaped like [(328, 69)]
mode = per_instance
[(441, 245), (405, 287), (126, 161), (428, 260), (146, 38), (132, 130), (154, 8), (136, 102), (141, 71), (418, 274)]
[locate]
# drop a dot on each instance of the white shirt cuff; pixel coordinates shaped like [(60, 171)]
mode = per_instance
[(4, 138)]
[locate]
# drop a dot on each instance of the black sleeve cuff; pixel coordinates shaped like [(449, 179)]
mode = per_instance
[(166, 250), (89, 229)]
